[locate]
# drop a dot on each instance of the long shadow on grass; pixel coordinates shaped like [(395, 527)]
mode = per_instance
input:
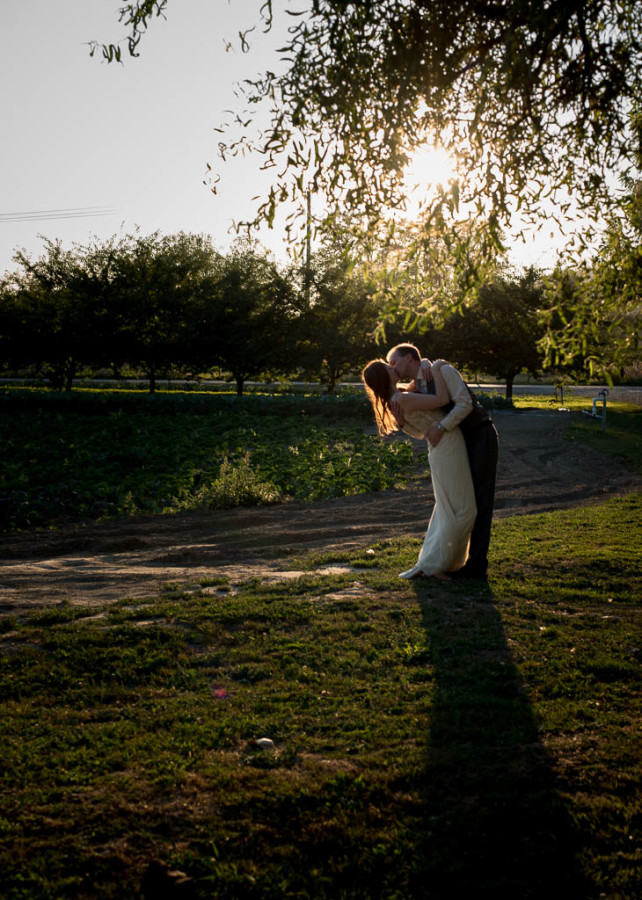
[(494, 825)]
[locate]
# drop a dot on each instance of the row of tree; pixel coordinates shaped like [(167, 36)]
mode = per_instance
[(159, 304), (173, 304)]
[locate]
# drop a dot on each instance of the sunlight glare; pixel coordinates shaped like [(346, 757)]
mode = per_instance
[(428, 168)]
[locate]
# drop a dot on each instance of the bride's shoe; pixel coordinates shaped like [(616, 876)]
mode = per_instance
[(415, 572)]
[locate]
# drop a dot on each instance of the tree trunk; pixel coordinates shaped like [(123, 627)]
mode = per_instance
[(152, 381), (509, 385), (239, 385), (70, 372)]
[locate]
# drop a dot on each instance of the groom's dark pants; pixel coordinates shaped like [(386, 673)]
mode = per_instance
[(482, 444)]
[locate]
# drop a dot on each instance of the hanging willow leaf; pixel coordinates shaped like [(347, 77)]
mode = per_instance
[(537, 101)]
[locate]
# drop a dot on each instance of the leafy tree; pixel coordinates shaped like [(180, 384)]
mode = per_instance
[(337, 331), (56, 306), (241, 321), (569, 362), (587, 336), (156, 280), (124, 300), (595, 310), (500, 331), (11, 346), (616, 283), (416, 280), (536, 100)]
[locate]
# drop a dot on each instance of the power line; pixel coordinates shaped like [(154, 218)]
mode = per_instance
[(42, 215)]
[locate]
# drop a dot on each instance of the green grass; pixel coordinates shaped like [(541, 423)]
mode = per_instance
[(430, 740)]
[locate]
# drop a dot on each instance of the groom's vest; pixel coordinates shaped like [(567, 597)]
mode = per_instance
[(476, 417)]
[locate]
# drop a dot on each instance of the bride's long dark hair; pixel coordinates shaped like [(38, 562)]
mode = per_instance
[(376, 379)]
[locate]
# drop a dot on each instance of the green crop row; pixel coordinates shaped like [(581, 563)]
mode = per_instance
[(78, 463)]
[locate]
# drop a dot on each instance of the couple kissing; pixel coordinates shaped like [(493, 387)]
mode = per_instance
[(462, 452)]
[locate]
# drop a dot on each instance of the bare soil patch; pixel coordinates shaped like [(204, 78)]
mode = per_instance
[(92, 564)]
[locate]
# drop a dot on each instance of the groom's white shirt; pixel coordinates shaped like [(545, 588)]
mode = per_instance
[(457, 391)]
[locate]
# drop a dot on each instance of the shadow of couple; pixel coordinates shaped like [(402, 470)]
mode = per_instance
[(493, 822)]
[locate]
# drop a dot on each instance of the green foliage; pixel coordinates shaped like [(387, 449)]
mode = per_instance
[(127, 300), (237, 485), (171, 303), (54, 311), (593, 310), (526, 98), (336, 329), (124, 455), (499, 331), (243, 318), (494, 401), (459, 739), (537, 103), (156, 280)]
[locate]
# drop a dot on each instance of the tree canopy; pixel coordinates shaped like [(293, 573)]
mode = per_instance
[(243, 315), (538, 101), (53, 310), (499, 333), (533, 97), (336, 331)]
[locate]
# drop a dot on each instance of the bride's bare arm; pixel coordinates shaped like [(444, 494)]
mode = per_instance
[(414, 402)]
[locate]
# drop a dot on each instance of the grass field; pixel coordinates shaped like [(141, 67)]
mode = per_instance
[(425, 740)]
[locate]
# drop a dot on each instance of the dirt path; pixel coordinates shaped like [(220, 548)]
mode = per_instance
[(88, 565)]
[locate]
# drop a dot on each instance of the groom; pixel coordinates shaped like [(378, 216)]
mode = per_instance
[(479, 434)]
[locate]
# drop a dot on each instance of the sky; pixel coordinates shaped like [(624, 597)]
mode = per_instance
[(92, 150)]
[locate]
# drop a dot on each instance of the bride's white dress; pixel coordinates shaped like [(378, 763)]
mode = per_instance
[(445, 547)]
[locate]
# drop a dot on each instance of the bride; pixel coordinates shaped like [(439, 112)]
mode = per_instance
[(445, 547)]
